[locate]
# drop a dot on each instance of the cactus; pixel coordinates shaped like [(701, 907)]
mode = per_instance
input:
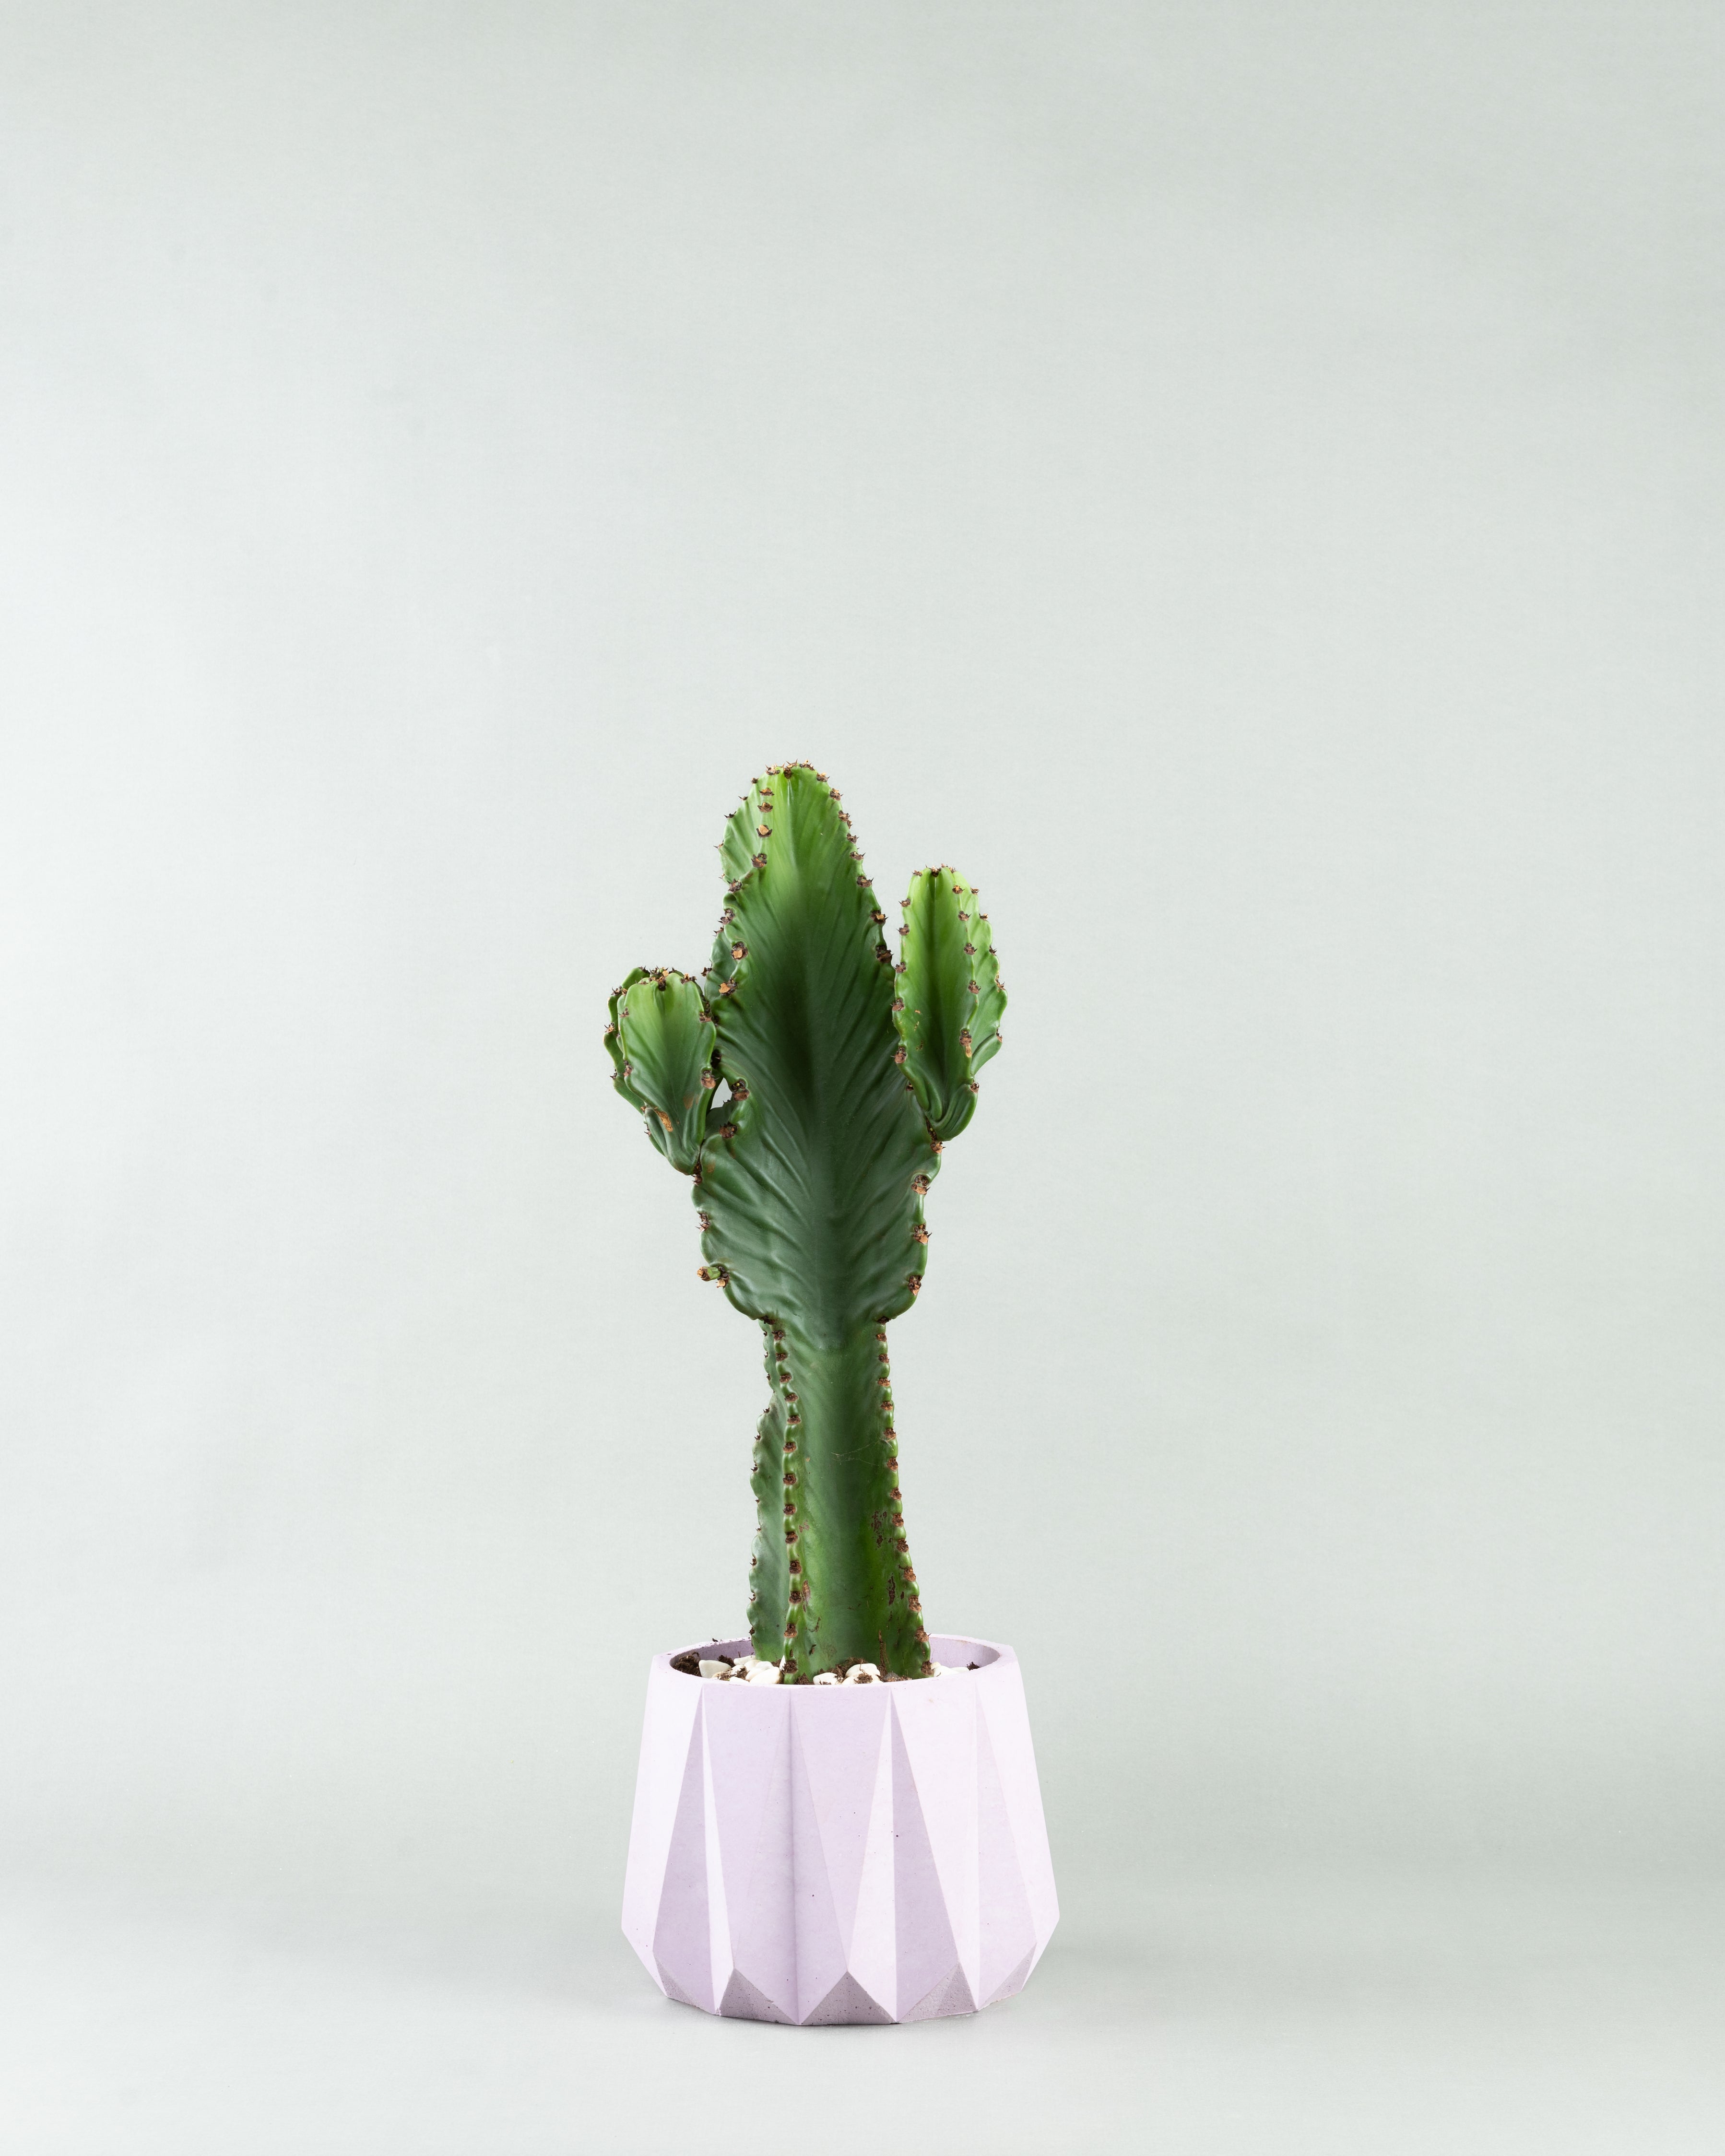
[(807, 1086)]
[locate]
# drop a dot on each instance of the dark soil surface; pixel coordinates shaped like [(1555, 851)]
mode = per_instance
[(691, 1659)]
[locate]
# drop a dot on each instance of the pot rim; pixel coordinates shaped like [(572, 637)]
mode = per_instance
[(965, 1647)]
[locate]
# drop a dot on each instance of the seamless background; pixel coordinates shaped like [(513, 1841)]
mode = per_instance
[(1245, 483)]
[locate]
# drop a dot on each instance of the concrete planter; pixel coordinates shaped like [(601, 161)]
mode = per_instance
[(855, 1853)]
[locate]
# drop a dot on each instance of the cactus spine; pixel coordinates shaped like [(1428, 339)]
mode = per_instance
[(807, 1086)]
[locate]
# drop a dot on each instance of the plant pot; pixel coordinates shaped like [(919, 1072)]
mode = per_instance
[(817, 1854)]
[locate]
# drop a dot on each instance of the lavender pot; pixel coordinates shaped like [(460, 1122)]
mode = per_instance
[(813, 1854)]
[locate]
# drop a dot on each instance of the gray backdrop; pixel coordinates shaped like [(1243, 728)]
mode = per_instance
[(1245, 483)]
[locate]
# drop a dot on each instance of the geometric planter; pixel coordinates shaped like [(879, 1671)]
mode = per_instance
[(817, 1854)]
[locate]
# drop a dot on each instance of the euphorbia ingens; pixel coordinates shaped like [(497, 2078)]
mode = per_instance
[(806, 1083)]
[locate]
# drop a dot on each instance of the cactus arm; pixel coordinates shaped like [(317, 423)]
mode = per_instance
[(661, 1038), (950, 996), (810, 1190)]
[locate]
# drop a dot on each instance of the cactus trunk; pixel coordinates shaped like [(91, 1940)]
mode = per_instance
[(832, 1577)]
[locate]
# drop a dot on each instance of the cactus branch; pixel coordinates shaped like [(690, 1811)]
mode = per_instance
[(661, 1040), (950, 996)]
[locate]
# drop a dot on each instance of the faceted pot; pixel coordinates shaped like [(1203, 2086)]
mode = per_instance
[(815, 1853)]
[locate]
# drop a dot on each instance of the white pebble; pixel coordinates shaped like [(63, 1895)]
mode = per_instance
[(715, 1670), (826, 1676), (862, 1673), (949, 1670), (761, 1673)]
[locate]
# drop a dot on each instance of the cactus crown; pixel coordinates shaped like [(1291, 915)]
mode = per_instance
[(807, 1083)]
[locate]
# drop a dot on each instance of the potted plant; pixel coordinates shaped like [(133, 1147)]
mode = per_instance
[(837, 1819)]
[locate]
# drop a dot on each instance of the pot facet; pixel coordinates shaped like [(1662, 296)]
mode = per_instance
[(817, 1854)]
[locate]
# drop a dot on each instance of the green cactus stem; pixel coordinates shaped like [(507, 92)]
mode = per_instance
[(807, 1084)]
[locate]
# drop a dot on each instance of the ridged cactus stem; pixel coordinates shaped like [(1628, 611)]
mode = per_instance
[(850, 1593)]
